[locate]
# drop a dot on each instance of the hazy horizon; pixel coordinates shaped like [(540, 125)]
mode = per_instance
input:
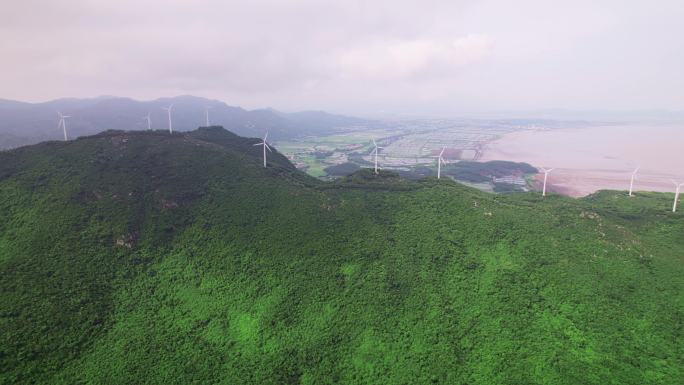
[(435, 58), (559, 114)]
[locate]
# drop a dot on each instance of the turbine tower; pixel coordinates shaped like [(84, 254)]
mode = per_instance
[(149, 121), (375, 150), (440, 160), (631, 182), (168, 109), (546, 176), (263, 143), (678, 187), (206, 114), (62, 123)]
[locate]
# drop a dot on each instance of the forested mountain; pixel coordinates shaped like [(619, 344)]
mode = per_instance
[(150, 258), (29, 123)]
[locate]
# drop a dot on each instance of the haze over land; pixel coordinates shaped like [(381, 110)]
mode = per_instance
[(588, 155), (28, 123)]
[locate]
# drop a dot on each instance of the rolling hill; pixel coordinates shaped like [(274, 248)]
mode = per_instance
[(144, 257), (29, 123)]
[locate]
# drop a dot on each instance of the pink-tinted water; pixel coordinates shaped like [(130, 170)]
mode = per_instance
[(589, 159)]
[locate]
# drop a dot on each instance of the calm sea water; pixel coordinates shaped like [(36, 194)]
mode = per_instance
[(601, 157)]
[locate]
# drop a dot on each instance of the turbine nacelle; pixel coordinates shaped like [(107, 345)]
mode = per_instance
[(631, 181), (546, 177), (149, 121), (265, 146), (62, 123), (168, 109), (440, 161), (678, 187), (375, 152), (206, 112), (376, 147), (440, 156)]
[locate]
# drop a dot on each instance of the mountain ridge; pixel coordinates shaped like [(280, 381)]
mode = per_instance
[(24, 123), (149, 257)]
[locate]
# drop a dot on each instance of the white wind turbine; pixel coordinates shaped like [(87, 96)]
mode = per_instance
[(168, 109), (678, 186), (62, 123), (149, 121), (375, 150), (440, 160), (631, 182), (546, 176), (263, 143), (206, 114)]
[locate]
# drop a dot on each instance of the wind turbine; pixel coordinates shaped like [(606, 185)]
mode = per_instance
[(149, 121), (546, 176), (375, 150), (263, 143), (678, 186), (631, 182), (206, 111), (62, 123), (168, 109), (440, 160)]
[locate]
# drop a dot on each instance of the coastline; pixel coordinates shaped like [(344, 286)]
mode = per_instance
[(586, 160)]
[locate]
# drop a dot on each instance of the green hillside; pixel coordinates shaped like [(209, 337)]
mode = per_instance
[(149, 258)]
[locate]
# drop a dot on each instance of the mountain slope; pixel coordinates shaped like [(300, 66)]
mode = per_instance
[(29, 123), (144, 257)]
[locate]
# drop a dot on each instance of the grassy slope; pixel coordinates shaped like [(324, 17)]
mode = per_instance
[(239, 274)]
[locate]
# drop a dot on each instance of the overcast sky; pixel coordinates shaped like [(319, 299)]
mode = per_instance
[(362, 57)]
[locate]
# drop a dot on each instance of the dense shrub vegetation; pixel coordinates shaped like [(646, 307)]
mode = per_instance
[(151, 258), (343, 169), (478, 172)]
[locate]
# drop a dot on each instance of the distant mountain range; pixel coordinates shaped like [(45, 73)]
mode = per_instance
[(28, 123)]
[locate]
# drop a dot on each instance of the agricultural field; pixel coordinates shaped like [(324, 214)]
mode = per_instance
[(314, 154), (408, 147)]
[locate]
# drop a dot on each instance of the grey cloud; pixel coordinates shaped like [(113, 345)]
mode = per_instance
[(350, 56)]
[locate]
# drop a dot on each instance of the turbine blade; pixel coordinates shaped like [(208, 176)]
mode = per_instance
[(258, 144), (443, 148)]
